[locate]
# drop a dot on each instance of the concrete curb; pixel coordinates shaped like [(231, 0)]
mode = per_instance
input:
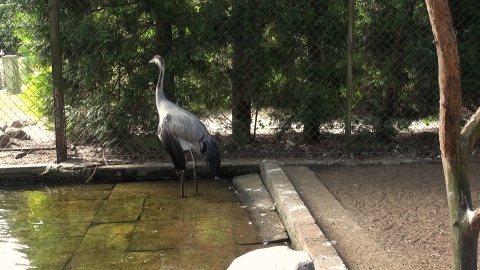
[(302, 229), (76, 171)]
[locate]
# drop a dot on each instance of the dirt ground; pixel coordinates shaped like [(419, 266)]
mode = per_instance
[(404, 209)]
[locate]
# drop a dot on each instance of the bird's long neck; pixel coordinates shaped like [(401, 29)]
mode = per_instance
[(159, 95)]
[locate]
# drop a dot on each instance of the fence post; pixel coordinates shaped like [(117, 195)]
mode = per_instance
[(12, 80), (1, 73), (59, 110), (348, 120)]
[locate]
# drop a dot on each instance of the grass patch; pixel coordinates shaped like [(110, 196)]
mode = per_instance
[(16, 107)]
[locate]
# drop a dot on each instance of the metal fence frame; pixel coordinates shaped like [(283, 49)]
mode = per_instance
[(348, 128)]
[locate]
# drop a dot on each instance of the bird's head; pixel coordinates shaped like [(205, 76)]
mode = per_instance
[(157, 59)]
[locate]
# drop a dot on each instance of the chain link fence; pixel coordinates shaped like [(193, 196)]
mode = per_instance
[(268, 78), (25, 128)]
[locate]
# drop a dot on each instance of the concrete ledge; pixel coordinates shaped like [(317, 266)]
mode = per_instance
[(82, 171), (301, 227), (78, 170)]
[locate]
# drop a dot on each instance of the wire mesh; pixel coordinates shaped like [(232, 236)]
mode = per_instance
[(268, 78), (24, 127)]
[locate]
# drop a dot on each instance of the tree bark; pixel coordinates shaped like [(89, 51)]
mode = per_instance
[(164, 46), (455, 144), (163, 40), (241, 102), (312, 117)]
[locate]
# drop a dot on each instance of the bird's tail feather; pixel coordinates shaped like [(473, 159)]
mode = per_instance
[(212, 155)]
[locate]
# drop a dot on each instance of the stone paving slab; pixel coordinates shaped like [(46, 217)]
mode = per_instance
[(256, 199), (141, 225), (120, 210), (82, 261), (158, 203), (302, 229), (107, 238)]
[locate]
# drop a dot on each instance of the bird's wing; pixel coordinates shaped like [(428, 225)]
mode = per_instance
[(173, 147), (188, 129), (190, 133)]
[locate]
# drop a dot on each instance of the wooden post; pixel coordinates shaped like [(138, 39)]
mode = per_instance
[(59, 110), (12, 80), (1, 74)]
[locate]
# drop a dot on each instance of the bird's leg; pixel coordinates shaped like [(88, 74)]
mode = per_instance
[(181, 183), (194, 172)]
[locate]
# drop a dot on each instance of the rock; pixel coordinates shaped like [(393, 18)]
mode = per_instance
[(4, 140), (16, 133), (16, 124), (273, 258), (19, 155), (29, 122), (290, 143)]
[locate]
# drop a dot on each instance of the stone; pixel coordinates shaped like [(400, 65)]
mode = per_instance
[(19, 155), (4, 139), (273, 258), (16, 124), (290, 143), (16, 133), (256, 199)]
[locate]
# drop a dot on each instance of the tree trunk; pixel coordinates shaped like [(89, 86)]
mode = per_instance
[(164, 46), (312, 117), (163, 40), (393, 91), (241, 102), (455, 144)]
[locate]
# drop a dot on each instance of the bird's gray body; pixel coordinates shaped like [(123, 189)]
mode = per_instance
[(190, 132), (179, 130)]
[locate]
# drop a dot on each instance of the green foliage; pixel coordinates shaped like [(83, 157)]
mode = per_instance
[(8, 41), (37, 93), (287, 57), (466, 20), (392, 84), (16, 37)]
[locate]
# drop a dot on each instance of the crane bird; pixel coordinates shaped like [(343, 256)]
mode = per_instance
[(180, 130)]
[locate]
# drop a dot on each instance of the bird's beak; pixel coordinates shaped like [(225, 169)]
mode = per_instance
[(152, 61)]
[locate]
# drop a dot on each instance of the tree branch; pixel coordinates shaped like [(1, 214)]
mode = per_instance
[(471, 133), (474, 219)]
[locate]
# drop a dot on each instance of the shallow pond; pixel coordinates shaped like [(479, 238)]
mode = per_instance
[(127, 225)]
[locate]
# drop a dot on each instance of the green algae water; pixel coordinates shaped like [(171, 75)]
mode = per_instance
[(128, 225)]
